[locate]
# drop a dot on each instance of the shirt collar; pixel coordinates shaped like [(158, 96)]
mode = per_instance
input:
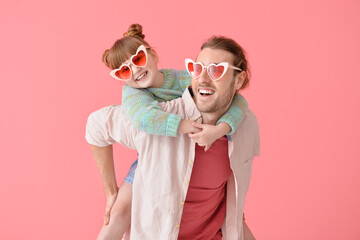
[(191, 110)]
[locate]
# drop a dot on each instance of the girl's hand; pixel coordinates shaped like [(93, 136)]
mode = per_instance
[(186, 126), (209, 133)]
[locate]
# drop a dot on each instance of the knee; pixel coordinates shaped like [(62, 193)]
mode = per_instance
[(121, 211)]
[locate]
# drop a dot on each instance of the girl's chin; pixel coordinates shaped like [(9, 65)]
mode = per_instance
[(146, 83)]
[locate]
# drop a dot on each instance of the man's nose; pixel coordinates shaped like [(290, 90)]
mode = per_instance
[(204, 77)]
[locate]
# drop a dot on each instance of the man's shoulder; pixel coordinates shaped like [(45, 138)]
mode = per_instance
[(247, 134), (250, 115), (249, 125), (109, 125)]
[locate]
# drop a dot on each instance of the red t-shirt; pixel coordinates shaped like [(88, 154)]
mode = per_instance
[(205, 204)]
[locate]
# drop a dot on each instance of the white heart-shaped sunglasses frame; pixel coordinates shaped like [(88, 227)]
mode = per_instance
[(140, 48), (224, 64)]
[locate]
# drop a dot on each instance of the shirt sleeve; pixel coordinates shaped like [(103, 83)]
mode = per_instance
[(257, 141), (234, 115), (144, 113), (184, 79), (109, 125)]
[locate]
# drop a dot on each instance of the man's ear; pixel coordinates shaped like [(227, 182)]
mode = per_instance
[(239, 79)]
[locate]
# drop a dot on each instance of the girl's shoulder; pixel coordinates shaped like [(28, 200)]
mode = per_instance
[(177, 77), (171, 74)]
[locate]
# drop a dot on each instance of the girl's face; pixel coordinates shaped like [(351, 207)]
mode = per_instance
[(148, 76), (145, 76)]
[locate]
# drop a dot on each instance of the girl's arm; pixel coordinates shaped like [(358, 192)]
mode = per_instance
[(226, 125), (209, 133), (145, 114), (234, 115), (142, 109)]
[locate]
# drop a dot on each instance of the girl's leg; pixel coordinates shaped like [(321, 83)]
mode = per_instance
[(120, 216)]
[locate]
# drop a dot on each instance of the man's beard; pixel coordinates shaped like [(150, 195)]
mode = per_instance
[(219, 104)]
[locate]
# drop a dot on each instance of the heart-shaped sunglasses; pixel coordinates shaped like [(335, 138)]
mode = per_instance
[(124, 72), (215, 71)]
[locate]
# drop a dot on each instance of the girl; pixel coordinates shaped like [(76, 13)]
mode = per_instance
[(133, 60)]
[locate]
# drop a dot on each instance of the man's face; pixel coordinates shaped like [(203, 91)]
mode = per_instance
[(214, 96)]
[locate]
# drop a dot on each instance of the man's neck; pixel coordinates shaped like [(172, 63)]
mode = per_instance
[(212, 118)]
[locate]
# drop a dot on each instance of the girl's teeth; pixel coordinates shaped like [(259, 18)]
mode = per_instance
[(143, 75)]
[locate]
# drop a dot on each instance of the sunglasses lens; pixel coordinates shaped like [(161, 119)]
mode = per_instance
[(140, 59), (195, 69), (216, 71), (123, 73)]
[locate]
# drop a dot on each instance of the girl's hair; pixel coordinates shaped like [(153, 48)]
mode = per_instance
[(124, 47), (229, 45)]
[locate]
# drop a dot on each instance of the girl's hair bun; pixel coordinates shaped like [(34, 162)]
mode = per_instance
[(135, 30)]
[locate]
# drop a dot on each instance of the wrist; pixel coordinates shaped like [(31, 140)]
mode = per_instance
[(223, 128), (184, 126), (110, 192)]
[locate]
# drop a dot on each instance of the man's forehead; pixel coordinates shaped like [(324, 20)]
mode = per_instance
[(209, 55)]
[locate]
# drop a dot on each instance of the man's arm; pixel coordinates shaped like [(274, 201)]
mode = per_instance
[(104, 160), (105, 127)]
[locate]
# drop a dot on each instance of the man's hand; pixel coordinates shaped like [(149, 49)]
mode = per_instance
[(209, 133), (109, 204)]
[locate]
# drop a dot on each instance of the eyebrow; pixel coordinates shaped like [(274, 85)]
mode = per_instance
[(210, 63)]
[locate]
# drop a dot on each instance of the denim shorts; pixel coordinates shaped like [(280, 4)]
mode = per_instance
[(130, 176)]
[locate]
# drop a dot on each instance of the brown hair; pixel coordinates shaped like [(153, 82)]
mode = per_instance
[(124, 47), (229, 45)]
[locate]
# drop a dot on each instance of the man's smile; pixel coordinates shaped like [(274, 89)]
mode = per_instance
[(206, 91)]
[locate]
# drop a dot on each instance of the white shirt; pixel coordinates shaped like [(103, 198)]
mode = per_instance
[(165, 165)]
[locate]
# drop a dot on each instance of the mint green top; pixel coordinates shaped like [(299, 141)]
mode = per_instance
[(141, 105)]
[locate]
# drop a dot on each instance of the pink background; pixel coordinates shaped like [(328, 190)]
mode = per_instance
[(305, 58)]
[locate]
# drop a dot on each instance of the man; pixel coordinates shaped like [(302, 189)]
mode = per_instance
[(180, 191)]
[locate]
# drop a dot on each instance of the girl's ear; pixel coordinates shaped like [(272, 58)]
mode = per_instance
[(154, 54)]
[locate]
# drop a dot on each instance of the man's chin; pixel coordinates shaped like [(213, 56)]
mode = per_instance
[(205, 107)]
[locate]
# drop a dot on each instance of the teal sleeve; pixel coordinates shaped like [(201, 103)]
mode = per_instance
[(176, 82), (145, 114), (184, 79), (234, 114)]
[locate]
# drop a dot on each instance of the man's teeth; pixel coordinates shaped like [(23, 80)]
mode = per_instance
[(141, 76), (207, 92)]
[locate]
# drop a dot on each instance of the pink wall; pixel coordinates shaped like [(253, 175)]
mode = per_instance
[(305, 58)]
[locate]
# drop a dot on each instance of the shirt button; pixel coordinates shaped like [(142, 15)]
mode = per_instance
[(177, 225), (182, 202), (186, 182), (191, 162)]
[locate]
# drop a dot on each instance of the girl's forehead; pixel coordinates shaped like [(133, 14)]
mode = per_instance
[(127, 55)]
